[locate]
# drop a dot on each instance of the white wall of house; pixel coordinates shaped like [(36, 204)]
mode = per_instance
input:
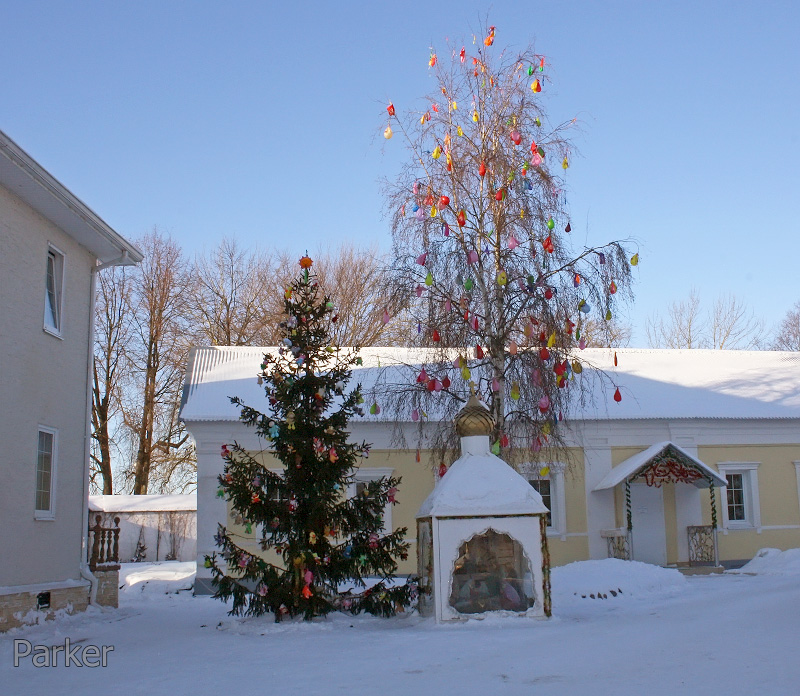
[(43, 382)]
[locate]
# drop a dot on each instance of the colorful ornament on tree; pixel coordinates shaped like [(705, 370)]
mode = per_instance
[(388, 133)]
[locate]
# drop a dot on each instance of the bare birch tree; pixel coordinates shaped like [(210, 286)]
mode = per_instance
[(683, 327), (482, 250)]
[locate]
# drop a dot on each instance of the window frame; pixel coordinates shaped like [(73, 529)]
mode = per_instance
[(50, 513), (366, 475), (59, 267), (752, 507), (558, 509)]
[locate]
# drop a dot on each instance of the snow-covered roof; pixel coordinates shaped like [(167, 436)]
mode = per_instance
[(480, 484), (142, 503), (654, 384), (632, 466)]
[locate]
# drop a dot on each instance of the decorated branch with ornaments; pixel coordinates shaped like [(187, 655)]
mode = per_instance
[(499, 291), (312, 534)]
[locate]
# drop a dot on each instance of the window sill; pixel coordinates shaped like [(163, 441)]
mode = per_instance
[(53, 332), (44, 516)]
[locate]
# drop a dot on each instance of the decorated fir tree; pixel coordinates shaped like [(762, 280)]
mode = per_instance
[(323, 540)]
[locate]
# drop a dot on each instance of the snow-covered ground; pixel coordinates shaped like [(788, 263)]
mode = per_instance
[(618, 628)]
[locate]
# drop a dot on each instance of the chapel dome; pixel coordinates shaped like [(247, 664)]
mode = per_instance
[(474, 419)]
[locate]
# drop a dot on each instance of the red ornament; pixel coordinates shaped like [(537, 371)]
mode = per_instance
[(482, 169), (544, 354), (568, 228), (516, 138), (442, 469), (461, 218), (435, 336), (463, 54), (548, 245), (500, 195), (444, 201), (617, 396), (390, 109), (612, 288), (479, 352), (548, 294), (504, 440), (615, 358), (431, 386), (446, 382)]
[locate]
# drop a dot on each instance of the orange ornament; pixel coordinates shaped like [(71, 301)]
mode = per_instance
[(306, 262), (482, 169)]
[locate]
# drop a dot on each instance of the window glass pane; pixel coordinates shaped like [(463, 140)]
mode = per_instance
[(44, 471), (491, 574), (52, 299), (735, 493), (543, 486)]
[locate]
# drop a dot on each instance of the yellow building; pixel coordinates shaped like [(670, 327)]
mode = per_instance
[(699, 435)]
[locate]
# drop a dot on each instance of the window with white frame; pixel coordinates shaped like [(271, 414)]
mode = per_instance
[(740, 509), (360, 487), (46, 473), (54, 291), (548, 480)]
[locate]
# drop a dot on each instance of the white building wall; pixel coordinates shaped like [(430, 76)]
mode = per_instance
[(43, 381)]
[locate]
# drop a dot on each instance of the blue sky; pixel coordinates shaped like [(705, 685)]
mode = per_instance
[(263, 120)]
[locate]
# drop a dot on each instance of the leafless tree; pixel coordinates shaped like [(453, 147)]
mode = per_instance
[(483, 254), (683, 327), (615, 333), (788, 334), (230, 304), (112, 335), (729, 324), (732, 325), (158, 352)]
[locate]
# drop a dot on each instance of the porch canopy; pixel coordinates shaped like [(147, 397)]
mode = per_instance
[(659, 463)]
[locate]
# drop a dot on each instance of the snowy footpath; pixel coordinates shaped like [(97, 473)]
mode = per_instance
[(617, 628)]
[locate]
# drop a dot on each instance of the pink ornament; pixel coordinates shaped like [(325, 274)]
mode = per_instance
[(415, 188), (419, 290), (422, 377), (308, 576), (582, 344), (472, 257), (537, 377), (513, 348), (437, 386), (420, 214), (475, 325), (422, 258), (446, 229), (513, 243), (536, 160), (386, 317), (544, 403), (495, 385), (448, 306)]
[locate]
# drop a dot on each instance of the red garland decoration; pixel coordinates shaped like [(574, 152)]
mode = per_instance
[(670, 471)]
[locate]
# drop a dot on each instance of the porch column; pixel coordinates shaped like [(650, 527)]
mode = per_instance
[(211, 510), (688, 509)]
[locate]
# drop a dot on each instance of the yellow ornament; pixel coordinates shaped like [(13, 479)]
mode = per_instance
[(433, 211), (552, 340), (608, 315), (565, 163), (312, 538), (388, 133), (546, 428), (465, 373), (577, 368), (502, 278), (437, 152), (515, 391), (475, 116), (544, 471), (455, 106), (459, 131), (635, 260)]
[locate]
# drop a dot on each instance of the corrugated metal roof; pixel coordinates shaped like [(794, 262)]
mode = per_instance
[(655, 384)]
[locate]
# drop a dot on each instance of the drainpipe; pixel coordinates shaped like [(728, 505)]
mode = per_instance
[(86, 572)]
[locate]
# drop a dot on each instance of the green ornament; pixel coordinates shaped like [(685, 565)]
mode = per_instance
[(207, 563), (540, 150), (496, 448), (359, 361), (550, 224), (248, 528), (530, 70), (537, 121), (429, 279), (220, 493), (608, 315), (468, 284)]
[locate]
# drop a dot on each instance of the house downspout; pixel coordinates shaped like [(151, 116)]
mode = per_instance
[(86, 572)]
